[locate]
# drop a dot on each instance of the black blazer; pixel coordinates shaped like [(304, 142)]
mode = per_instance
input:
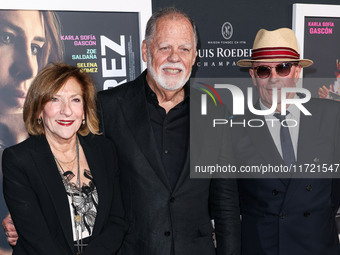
[(37, 200), (163, 220), (296, 216)]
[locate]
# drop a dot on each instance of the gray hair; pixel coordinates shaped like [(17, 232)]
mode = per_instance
[(172, 12)]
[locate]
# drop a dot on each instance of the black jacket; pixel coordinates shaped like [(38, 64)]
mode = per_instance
[(163, 220), (37, 200)]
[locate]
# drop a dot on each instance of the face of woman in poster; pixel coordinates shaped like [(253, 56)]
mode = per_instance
[(22, 37)]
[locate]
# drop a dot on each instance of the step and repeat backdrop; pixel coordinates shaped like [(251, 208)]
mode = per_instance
[(104, 39)]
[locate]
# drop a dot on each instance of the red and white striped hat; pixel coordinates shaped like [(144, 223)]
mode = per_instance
[(275, 46)]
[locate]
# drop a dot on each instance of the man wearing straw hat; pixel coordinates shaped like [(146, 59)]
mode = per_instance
[(287, 215)]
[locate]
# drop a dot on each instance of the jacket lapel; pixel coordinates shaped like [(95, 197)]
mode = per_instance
[(47, 167), (184, 173), (305, 143), (138, 121), (264, 143), (98, 171)]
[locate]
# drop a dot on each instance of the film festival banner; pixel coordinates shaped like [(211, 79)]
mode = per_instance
[(105, 44)]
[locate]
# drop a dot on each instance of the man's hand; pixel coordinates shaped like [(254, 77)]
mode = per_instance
[(324, 91), (11, 233)]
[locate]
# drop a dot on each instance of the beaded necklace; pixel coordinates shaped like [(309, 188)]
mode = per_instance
[(77, 217)]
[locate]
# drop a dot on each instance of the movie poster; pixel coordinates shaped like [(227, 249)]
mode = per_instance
[(105, 44), (321, 44)]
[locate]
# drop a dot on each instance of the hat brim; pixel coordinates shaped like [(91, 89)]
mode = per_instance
[(249, 62)]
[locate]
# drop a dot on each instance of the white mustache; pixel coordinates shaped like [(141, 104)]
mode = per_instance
[(173, 65)]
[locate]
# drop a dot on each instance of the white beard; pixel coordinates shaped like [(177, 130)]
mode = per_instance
[(166, 82)]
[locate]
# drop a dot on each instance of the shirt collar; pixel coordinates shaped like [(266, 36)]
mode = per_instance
[(292, 109)]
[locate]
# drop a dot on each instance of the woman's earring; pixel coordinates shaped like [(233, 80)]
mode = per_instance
[(39, 121), (83, 122)]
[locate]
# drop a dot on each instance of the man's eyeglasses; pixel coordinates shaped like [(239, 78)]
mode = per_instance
[(282, 69)]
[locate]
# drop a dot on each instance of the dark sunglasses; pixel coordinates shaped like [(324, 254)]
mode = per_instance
[(282, 69)]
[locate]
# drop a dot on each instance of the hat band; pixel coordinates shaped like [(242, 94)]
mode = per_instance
[(274, 52)]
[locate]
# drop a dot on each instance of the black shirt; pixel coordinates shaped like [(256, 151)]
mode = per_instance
[(171, 131)]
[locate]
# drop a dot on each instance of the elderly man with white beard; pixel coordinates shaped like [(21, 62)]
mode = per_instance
[(148, 121)]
